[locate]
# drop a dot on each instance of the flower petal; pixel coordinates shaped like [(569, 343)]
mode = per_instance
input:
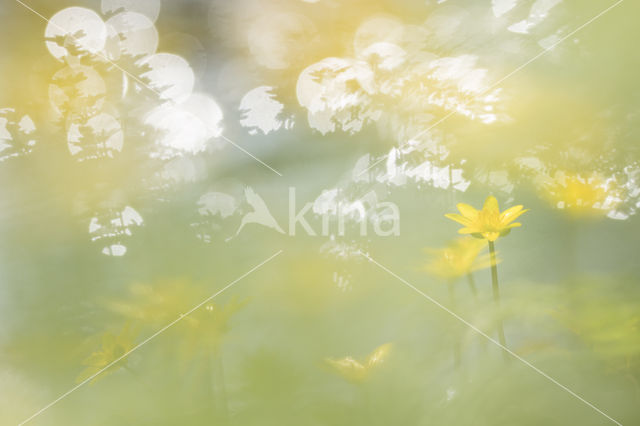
[(484, 261), (511, 210), (511, 216), (458, 218), (467, 230), (491, 205), (378, 356), (467, 210)]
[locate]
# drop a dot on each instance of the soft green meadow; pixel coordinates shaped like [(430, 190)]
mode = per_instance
[(319, 213)]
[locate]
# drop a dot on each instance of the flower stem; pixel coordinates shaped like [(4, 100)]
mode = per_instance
[(456, 343), (218, 387), (212, 385), (472, 285), (474, 290), (496, 295), (223, 390)]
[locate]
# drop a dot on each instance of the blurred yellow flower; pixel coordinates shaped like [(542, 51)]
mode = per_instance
[(167, 300), (209, 325), (161, 302), (607, 318), (460, 257), (113, 347), (487, 223), (580, 196), (358, 371)]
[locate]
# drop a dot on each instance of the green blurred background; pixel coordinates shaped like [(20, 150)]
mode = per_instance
[(558, 137)]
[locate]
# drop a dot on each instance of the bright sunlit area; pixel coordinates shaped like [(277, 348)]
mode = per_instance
[(319, 212)]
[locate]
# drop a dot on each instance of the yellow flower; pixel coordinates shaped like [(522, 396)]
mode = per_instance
[(358, 371), (113, 347), (487, 223), (458, 258), (580, 196)]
